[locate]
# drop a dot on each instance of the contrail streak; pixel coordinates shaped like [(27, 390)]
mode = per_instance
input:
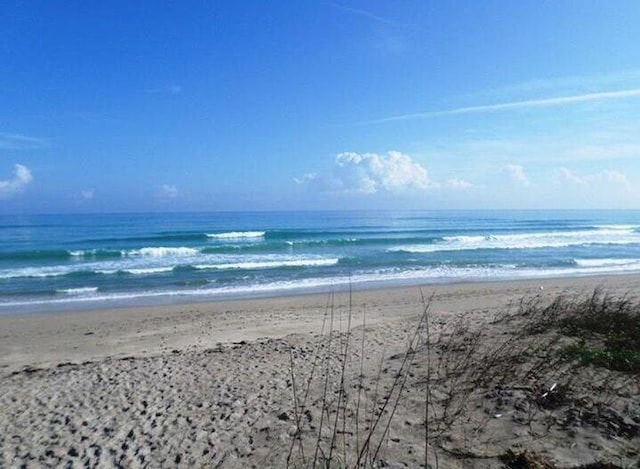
[(532, 103)]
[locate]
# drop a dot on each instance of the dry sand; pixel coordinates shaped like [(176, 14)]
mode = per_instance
[(210, 384)]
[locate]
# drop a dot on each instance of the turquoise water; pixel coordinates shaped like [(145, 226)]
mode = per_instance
[(50, 262)]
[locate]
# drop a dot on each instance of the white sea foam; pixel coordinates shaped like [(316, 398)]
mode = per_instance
[(437, 274), (136, 271), (149, 270), (237, 235), (635, 263), (270, 264), (78, 291), (149, 261), (618, 227), (619, 236), (35, 272), (136, 267), (93, 252), (163, 252)]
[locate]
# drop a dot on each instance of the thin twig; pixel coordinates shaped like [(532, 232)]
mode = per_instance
[(326, 383), (396, 382), (360, 378), (296, 436), (341, 390)]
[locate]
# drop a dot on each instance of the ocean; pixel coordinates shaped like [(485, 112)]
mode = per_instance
[(61, 262)]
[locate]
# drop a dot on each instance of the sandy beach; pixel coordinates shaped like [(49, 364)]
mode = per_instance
[(336, 234), (216, 384)]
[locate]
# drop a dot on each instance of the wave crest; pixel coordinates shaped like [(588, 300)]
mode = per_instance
[(163, 252), (237, 235), (250, 265), (617, 236)]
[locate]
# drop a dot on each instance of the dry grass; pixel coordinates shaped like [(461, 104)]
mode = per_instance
[(606, 329), (462, 378)]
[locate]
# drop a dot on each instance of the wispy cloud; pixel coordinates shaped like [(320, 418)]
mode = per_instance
[(515, 105), (458, 184), (167, 89), (306, 178), (574, 84), (609, 176), (21, 177), (87, 194), (365, 14), (20, 142), (568, 176)]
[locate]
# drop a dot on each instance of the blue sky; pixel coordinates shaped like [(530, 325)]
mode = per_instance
[(255, 105)]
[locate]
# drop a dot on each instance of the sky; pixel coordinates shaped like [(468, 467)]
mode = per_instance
[(279, 105)]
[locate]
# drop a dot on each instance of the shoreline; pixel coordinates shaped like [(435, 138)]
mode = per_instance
[(85, 305), (46, 339)]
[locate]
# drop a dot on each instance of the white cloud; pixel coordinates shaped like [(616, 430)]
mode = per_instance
[(21, 177), (608, 176), (370, 173), (615, 177), (169, 191), (20, 142), (517, 174), (306, 178), (566, 175), (87, 194), (459, 184)]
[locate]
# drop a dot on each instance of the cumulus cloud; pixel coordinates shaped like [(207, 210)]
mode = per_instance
[(371, 173), (21, 177), (517, 174), (169, 191)]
